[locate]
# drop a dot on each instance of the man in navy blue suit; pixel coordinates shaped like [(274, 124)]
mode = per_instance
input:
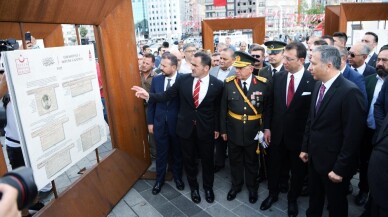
[(357, 58), (161, 120)]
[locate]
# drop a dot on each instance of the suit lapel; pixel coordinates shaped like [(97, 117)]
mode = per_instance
[(283, 92), (383, 130), (329, 94), (301, 87)]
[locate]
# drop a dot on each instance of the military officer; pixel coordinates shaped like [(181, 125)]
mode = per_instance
[(275, 51), (243, 106)]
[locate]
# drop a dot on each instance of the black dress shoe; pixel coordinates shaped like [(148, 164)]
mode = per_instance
[(350, 189), (267, 203), (218, 168), (293, 209), (253, 197), (195, 197), (179, 184), (232, 194), (157, 187), (209, 195), (361, 198)]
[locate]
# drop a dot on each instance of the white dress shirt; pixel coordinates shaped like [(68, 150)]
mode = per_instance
[(173, 78), (248, 82)]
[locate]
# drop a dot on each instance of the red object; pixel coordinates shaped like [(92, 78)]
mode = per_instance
[(219, 2), (196, 93), (290, 93)]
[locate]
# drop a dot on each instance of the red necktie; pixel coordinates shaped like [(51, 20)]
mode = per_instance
[(196, 93), (290, 93)]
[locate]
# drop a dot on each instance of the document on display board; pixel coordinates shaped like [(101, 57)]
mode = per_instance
[(56, 96)]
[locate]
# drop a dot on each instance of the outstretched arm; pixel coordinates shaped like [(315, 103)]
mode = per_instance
[(141, 92)]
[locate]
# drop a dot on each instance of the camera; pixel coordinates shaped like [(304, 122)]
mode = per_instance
[(21, 179)]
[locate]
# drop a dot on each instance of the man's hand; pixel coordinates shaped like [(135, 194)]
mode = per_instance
[(141, 93), (334, 177), (267, 136), (224, 137), (150, 128), (304, 157), (8, 203), (216, 134)]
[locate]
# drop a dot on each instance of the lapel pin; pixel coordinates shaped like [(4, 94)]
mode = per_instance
[(308, 82)]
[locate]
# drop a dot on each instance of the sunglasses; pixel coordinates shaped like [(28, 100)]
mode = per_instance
[(273, 52), (352, 55), (255, 56)]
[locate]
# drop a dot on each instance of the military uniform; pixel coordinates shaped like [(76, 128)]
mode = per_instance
[(241, 118)]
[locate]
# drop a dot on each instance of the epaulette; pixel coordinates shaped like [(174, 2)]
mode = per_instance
[(230, 78), (262, 79)]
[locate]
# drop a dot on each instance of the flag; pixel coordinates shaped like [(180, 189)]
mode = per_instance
[(219, 2)]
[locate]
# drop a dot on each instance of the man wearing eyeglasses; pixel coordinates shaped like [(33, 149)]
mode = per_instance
[(289, 105), (258, 52), (357, 57), (188, 51)]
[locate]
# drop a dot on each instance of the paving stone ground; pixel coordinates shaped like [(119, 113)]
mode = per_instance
[(170, 202)]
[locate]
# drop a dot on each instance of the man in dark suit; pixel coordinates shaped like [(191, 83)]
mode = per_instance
[(161, 120), (371, 39), (244, 103), (289, 106), (377, 172), (224, 70), (275, 51), (374, 84), (333, 133), (198, 122), (381, 105), (357, 57)]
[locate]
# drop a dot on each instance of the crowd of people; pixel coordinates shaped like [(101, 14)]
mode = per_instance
[(314, 108)]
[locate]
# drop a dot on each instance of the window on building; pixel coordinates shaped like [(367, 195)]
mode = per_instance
[(261, 4)]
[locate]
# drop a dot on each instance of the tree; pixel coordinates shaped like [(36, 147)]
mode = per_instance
[(83, 31)]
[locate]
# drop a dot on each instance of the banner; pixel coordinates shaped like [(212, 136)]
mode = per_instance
[(219, 2)]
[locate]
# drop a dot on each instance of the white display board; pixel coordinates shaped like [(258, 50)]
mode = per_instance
[(58, 107)]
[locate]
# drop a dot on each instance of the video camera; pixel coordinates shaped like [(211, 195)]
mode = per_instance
[(21, 179), (7, 45)]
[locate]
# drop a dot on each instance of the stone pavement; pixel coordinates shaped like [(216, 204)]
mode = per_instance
[(140, 201)]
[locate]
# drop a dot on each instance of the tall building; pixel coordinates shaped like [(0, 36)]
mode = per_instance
[(140, 18), (164, 19)]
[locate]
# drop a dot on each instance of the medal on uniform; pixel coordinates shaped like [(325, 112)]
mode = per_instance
[(253, 102)]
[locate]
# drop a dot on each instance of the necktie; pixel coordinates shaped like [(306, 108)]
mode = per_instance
[(320, 97), (168, 83), (245, 90), (355, 69), (274, 71), (196, 93), (290, 93)]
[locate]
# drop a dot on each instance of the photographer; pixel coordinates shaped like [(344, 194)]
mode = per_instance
[(8, 204)]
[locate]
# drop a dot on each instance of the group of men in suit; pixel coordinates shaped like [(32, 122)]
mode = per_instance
[(316, 117)]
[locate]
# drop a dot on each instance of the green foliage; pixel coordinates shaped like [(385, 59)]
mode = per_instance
[(83, 31), (315, 9)]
